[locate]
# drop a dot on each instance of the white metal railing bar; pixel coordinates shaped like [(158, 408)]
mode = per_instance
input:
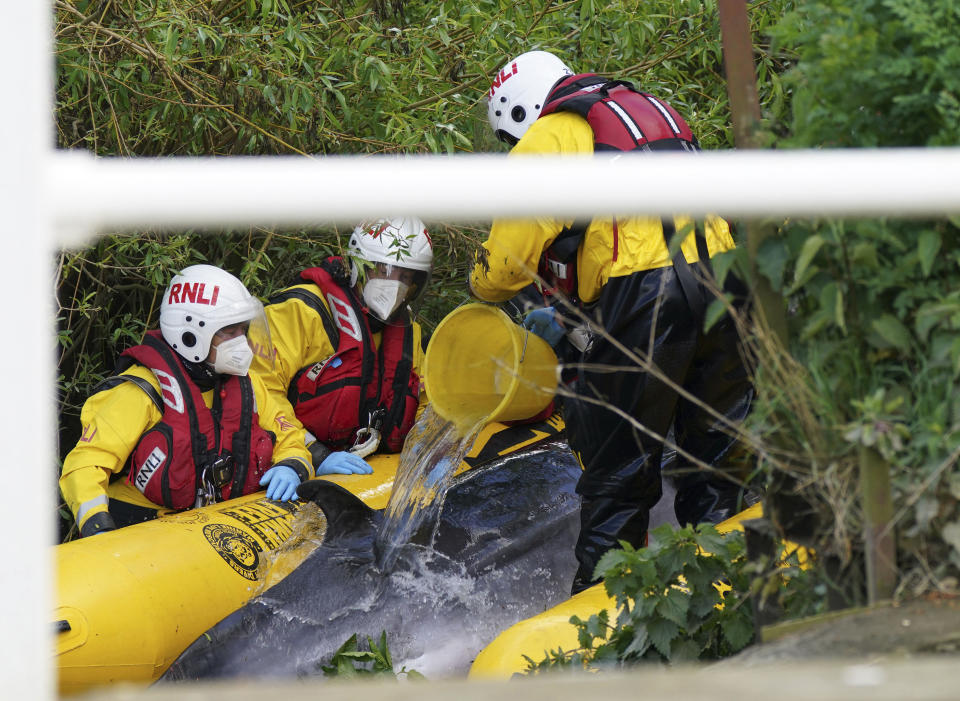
[(90, 194)]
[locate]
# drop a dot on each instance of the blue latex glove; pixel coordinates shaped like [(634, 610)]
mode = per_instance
[(543, 322), (281, 482), (344, 463)]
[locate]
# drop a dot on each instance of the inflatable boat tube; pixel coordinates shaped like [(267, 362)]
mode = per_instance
[(129, 601)]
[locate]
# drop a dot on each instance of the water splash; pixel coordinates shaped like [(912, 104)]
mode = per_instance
[(308, 528), (432, 453)]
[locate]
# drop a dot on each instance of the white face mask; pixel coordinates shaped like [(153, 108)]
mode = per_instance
[(233, 357), (384, 297)]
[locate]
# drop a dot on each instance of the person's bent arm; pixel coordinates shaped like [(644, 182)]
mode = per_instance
[(299, 339), (290, 447), (113, 421)]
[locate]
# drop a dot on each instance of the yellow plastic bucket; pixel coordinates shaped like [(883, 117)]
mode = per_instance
[(482, 367)]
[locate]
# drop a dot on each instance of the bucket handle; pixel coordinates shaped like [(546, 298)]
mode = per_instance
[(523, 351)]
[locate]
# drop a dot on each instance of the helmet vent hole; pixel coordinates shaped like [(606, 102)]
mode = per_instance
[(202, 324), (518, 114), (188, 319), (498, 113), (503, 99), (188, 339)]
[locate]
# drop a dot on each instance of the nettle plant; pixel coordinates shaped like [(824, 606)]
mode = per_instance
[(350, 662), (684, 597)]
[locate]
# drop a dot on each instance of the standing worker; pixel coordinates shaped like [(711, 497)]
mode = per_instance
[(618, 271), (347, 353), (182, 421)]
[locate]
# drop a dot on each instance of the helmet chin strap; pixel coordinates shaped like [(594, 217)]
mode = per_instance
[(202, 373)]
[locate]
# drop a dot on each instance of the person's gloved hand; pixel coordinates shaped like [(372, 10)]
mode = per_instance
[(344, 463), (281, 482), (543, 322)]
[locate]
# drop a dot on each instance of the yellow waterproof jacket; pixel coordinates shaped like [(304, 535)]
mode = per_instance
[(113, 422), (514, 247), (300, 339)]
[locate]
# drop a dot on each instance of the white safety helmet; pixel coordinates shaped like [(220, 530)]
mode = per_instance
[(200, 301), (396, 257), (519, 91)]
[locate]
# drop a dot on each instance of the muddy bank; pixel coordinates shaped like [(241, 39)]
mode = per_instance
[(918, 628)]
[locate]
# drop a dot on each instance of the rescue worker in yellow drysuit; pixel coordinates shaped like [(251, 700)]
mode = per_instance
[(183, 424), (618, 271), (347, 351)]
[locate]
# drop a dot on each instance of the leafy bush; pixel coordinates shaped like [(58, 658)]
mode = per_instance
[(670, 605), (688, 596), (875, 329)]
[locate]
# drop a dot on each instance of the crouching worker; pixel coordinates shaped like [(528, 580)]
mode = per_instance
[(347, 351), (182, 424)]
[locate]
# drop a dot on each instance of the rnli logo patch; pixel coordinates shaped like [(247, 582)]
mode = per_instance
[(149, 468), (237, 549)]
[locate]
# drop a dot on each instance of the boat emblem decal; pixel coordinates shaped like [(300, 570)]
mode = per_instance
[(237, 549)]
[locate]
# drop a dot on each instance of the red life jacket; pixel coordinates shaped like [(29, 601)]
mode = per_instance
[(622, 119), (169, 458), (359, 385)]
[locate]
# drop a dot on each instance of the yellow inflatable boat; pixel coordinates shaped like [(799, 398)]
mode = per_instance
[(128, 602)]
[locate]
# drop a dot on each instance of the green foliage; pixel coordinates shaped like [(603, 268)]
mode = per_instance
[(291, 76), (875, 340), (875, 72), (350, 662), (688, 596), (670, 603)]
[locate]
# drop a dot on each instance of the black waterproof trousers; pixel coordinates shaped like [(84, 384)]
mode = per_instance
[(648, 313)]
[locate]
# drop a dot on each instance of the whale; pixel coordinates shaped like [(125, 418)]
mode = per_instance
[(500, 550)]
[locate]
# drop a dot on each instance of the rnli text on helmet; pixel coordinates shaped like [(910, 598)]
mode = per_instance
[(502, 77), (192, 292)]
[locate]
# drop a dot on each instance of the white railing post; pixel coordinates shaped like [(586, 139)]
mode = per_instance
[(26, 359)]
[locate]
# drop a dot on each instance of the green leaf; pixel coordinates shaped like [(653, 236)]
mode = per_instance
[(685, 650), (831, 305), (715, 312), (864, 255), (738, 630), (892, 330), (722, 263), (639, 642), (928, 246), (772, 260), (810, 247), (672, 560), (704, 600), (674, 606), (709, 539), (662, 633), (586, 11)]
